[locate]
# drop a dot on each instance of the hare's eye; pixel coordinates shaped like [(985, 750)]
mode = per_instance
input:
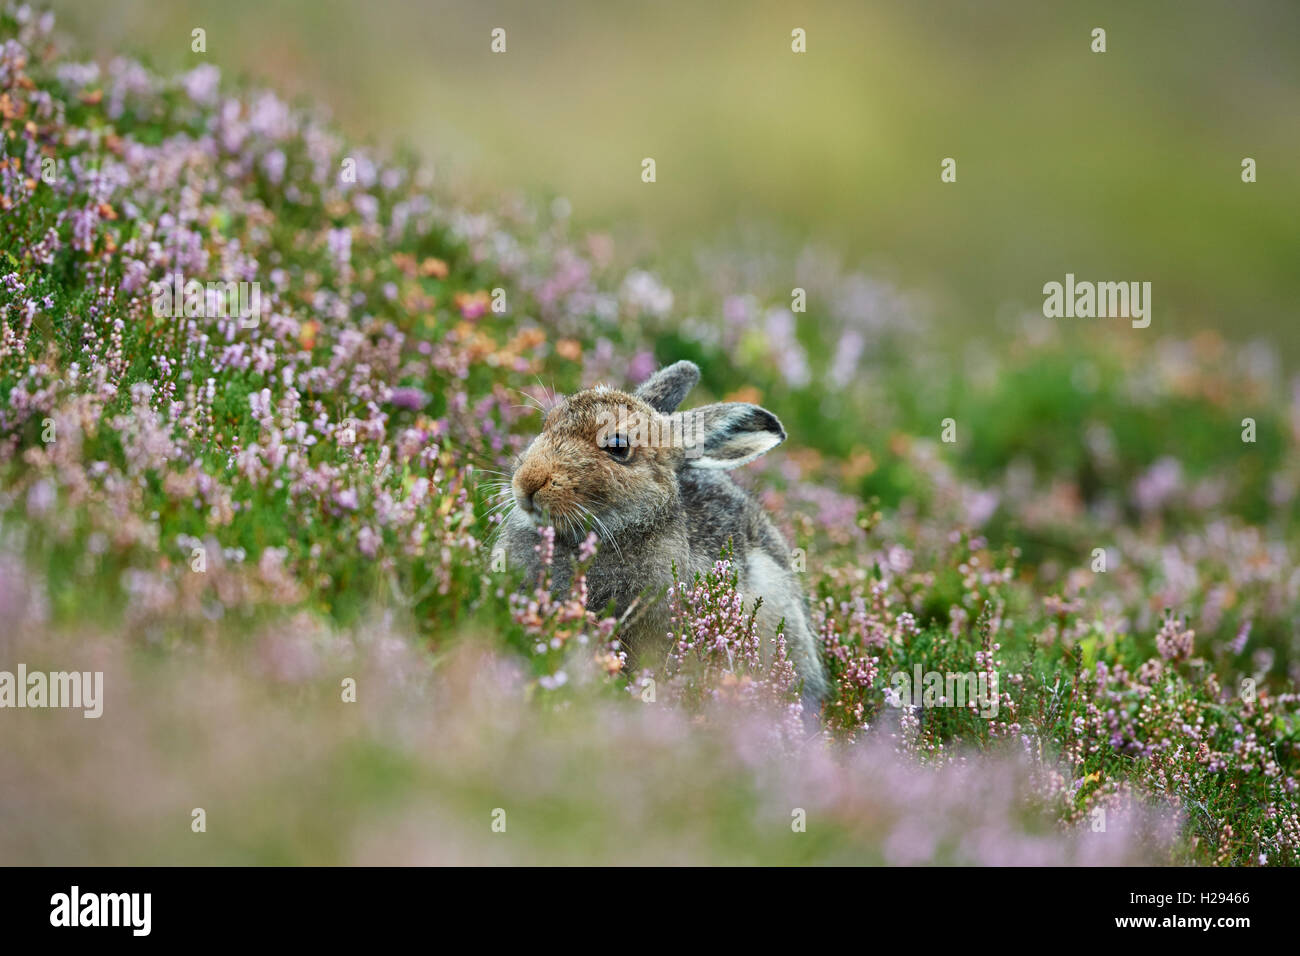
[(618, 447)]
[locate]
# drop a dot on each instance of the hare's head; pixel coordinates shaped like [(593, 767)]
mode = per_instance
[(608, 460)]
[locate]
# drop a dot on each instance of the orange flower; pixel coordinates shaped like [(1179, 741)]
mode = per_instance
[(307, 334), (433, 267), (406, 262), (860, 464), (746, 393)]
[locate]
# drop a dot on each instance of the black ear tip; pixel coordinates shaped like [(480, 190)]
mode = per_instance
[(760, 419), (777, 427)]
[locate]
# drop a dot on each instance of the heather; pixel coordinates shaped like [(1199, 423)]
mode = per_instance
[(232, 520)]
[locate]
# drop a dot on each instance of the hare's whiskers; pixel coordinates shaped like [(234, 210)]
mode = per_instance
[(552, 397), (500, 490), (602, 531), (535, 403), (504, 506), (497, 504)]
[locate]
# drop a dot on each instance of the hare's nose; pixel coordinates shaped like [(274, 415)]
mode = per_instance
[(529, 485)]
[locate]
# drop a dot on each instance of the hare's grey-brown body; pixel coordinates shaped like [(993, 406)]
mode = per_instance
[(652, 483)]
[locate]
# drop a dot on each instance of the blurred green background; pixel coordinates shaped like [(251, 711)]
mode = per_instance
[(1119, 166)]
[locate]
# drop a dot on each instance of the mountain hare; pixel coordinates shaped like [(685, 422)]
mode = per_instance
[(651, 482)]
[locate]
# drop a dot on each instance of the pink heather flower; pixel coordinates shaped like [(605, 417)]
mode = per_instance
[(785, 348), (738, 311), (907, 627), (40, 498), (340, 246), (1156, 486), (273, 164), (845, 366), (641, 366), (202, 84), (642, 292), (368, 541), (269, 117), (76, 76), (1238, 643), (135, 277), (979, 506), (1173, 641)]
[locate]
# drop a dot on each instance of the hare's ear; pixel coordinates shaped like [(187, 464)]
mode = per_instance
[(728, 435), (664, 390)]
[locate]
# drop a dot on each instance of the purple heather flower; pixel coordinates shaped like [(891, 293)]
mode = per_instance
[(409, 398), (202, 84)]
